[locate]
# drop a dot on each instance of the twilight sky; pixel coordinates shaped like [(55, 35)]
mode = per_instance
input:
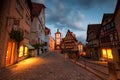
[(75, 15)]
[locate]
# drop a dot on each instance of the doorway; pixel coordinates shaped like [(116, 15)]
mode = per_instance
[(10, 53)]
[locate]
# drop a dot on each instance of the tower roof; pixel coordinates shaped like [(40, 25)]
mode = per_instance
[(57, 32)]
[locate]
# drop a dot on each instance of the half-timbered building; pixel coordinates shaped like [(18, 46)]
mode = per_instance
[(70, 44)]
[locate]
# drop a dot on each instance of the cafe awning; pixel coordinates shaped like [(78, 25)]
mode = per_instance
[(29, 46)]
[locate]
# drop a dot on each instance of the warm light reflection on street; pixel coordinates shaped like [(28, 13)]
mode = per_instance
[(28, 63)]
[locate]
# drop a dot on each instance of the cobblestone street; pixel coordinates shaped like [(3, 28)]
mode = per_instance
[(52, 66)]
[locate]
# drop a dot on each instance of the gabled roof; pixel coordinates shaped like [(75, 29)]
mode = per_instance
[(95, 28), (62, 39), (107, 17), (37, 7), (117, 8), (71, 34), (47, 31)]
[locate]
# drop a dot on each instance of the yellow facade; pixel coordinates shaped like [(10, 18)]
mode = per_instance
[(52, 44)]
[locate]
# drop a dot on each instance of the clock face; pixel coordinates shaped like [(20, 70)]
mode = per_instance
[(58, 35)]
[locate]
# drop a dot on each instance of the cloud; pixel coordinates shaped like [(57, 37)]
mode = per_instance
[(60, 13), (81, 36), (64, 14), (67, 13), (39, 1), (82, 40), (87, 4)]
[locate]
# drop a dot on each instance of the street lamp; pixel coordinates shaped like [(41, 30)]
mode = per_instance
[(15, 23)]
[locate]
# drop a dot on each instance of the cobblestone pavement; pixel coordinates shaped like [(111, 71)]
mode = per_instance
[(50, 67), (97, 67)]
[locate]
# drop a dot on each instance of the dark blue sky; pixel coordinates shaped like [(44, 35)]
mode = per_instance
[(75, 14)]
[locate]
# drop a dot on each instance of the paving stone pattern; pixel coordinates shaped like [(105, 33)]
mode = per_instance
[(52, 66)]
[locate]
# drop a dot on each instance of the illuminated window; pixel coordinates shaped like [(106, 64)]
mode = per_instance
[(107, 53), (26, 51), (21, 51), (104, 53)]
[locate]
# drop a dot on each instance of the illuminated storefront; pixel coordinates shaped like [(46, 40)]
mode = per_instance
[(23, 51)]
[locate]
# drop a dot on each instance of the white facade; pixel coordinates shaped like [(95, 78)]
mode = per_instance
[(47, 40), (41, 29), (38, 26)]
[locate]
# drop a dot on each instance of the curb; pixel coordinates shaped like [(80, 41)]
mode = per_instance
[(88, 68)]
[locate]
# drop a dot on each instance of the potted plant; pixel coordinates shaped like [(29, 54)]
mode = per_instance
[(17, 36)]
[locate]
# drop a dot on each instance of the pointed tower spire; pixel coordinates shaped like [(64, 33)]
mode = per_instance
[(57, 30)]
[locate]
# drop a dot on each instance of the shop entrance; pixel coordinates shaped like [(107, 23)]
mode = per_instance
[(10, 53)]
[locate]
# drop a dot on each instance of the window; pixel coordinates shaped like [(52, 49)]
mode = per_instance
[(107, 53), (104, 28), (26, 51), (21, 51), (104, 53), (109, 26), (57, 35), (115, 36), (112, 24), (46, 44)]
